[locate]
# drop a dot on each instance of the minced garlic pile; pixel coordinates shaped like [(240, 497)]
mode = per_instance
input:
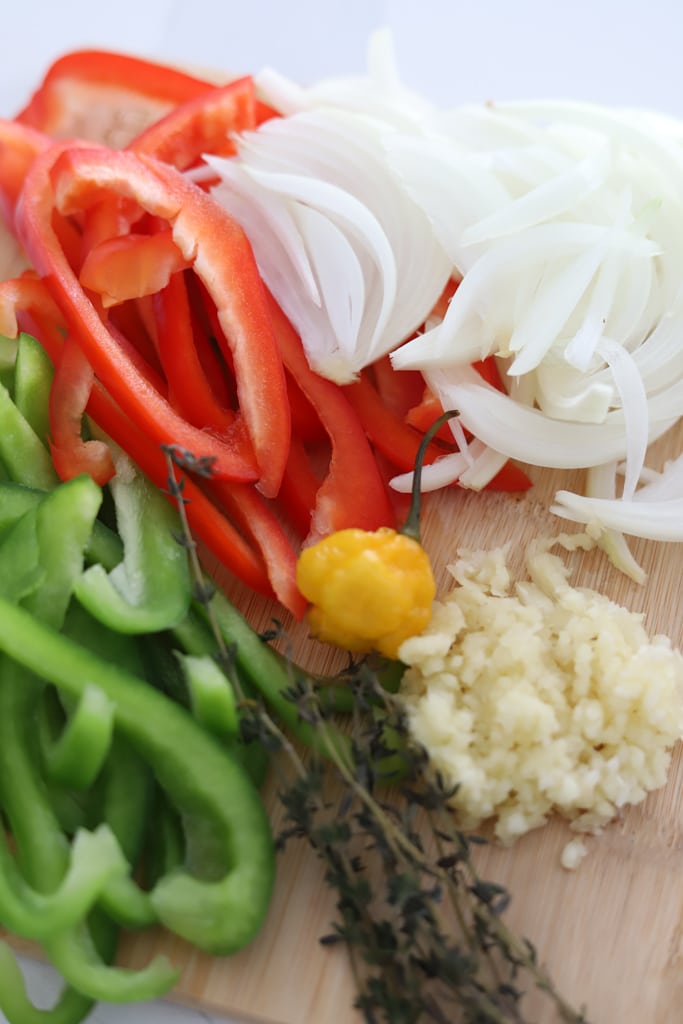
[(537, 698)]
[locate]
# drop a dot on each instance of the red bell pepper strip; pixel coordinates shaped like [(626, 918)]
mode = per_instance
[(19, 146), (353, 492), (510, 477), (305, 420), (28, 296), (130, 266), (203, 124), (299, 487), (399, 390), (69, 395), (82, 86), (257, 520), (71, 181), (223, 259), (215, 370), (427, 412), (189, 389), (397, 441), (26, 303), (129, 322)]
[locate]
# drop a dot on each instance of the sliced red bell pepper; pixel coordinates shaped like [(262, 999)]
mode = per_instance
[(27, 304), (424, 413), (69, 395), (88, 90), (427, 412), (19, 146), (71, 181), (130, 266), (126, 318), (399, 390), (257, 520), (215, 370), (208, 523), (28, 297), (203, 124), (510, 477), (305, 420), (190, 391), (353, 492), (299, 487), (397, 441)]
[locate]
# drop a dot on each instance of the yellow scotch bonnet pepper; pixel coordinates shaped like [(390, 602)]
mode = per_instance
[(370, 591)]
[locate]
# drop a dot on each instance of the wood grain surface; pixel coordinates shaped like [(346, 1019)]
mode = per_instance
[(611, 933)]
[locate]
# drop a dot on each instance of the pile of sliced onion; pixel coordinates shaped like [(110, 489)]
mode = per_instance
[(562, 222), (349, 256)]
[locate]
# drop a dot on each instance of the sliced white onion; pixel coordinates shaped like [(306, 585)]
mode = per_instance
[(368, 259), (563, 222)]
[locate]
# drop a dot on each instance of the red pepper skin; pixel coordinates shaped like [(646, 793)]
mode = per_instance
[(305, 420), (131, 266), (208, 522), (27, 304), (19, 146), (69, 395), (203, 124), (73, 180), (299, 488), (28, 296), (353, 492), (256, 519), (92, 79), (425, 413), (399, 390), (190, 392), (511, 478), (397, 441), (224, 261)]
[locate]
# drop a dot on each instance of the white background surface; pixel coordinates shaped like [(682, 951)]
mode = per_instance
[(625, 53)]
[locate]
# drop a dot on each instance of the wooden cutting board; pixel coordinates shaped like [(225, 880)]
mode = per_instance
[(610, 933)]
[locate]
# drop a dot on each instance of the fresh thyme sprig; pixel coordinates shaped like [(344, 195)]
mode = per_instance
[(426, 934)]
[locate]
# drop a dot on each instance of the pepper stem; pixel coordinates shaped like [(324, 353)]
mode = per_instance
[(411, 527)]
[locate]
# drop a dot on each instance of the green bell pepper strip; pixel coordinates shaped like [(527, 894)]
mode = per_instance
[(24, 456), (122, 795), (77, 756), (166, 849), (8, 358), (95, 859), (194, 636), (269, 674), (43, 850), (63, 522), (212, 697), (150, 589), (20, 570), (204, 780), (71, 1008), (103, 546), (33, 373), (125, 806)]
